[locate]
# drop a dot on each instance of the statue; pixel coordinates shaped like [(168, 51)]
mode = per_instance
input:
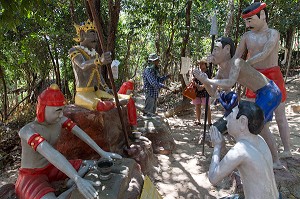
[(262, 44), (127, 89), (41, 163), (92, 91), (250, 155), (232, 70)]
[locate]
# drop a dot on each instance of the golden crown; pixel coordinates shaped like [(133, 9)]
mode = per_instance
[(87, 25)]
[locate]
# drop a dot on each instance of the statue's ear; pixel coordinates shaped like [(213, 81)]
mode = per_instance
[(82, 35), (262, 14), (227, 48), (244, 122)]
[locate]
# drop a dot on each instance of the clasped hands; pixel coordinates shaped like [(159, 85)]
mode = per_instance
[(215, 136)]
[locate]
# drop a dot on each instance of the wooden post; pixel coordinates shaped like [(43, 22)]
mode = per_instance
[(111, 79), (213, 33)]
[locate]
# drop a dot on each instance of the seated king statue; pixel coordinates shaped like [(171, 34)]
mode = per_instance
[(92, 91)]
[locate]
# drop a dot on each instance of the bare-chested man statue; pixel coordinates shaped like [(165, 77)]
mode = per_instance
[(262, 44), (233, 70), (41, 163), (250, 155), (92, 91)]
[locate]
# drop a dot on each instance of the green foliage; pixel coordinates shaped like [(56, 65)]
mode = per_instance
[(283, 14), (38, 28)]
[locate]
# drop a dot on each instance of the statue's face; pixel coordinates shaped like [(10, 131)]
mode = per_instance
[(53, 114), (255, 23), (232, 122), (90, 39), (219, 53)]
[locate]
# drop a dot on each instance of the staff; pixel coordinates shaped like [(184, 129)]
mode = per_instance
[(213, 33), (101, 40)]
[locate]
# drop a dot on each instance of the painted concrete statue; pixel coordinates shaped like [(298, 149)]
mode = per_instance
[(250, 155), (127, 89), (92, 91), (41, 163), (232, 70), (262, 44)]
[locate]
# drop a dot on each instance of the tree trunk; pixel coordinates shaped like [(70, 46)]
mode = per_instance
[(57, 74), (186, 36), (168, 58), (54, 63), (238, 22), (169, 48), (229, 21), (125, 71), (158, 36), (289, 45), (5, 102), (72, 11), (114, 11)]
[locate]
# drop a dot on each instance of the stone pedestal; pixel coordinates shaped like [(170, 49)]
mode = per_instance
[(103, 127), (141, 151), (158, 132), (125, 182), (288, 181)]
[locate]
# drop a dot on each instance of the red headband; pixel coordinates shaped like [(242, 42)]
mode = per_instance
[(255, 11)]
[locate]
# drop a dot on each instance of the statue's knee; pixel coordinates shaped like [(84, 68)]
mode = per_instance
[(105, 105)]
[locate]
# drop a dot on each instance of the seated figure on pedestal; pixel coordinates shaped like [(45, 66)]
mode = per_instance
[(250, 155), (92, 91), (41, 163)]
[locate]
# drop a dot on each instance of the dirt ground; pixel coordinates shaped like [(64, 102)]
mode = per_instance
[(183, 174)]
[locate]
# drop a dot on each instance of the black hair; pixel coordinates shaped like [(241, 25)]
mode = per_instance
[(254, 6), (254, 114), (227, 41)]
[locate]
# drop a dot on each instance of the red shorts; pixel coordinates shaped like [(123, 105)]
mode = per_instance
[(274, 74), (35, 183), (132, 117)]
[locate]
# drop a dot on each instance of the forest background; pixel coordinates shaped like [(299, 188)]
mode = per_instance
[(36, 35)]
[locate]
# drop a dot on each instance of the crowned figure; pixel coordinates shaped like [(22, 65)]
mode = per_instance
[(92, 91)]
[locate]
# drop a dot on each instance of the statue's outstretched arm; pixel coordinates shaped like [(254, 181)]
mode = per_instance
[(72, 127)]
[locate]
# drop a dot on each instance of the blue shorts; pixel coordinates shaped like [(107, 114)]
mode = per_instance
[(268, 98)]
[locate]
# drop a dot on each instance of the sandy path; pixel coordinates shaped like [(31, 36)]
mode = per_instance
[(183, 174)]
